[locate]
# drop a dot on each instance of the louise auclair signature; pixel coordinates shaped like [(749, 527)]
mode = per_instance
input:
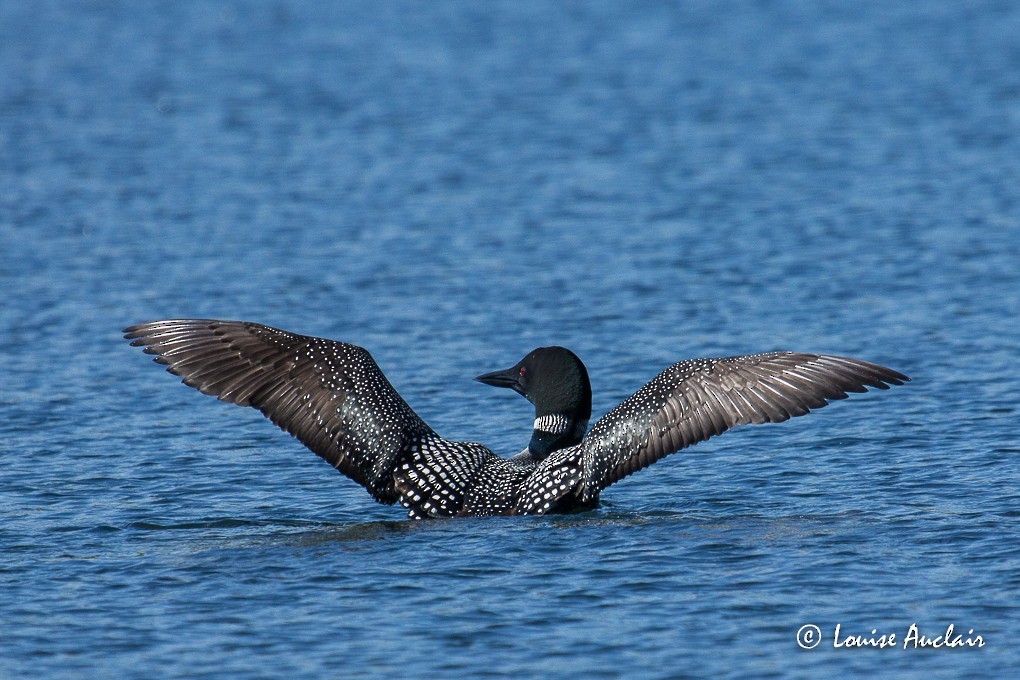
[(810, 636)]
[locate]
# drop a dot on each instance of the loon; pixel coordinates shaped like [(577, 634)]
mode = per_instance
[(333, 397)]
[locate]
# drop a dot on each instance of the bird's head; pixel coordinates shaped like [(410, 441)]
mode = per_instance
[(556, 382)]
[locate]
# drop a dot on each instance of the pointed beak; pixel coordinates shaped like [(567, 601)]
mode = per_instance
[(508, 378)]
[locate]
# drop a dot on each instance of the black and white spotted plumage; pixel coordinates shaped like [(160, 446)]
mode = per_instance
[(333, 398), (435, 478)]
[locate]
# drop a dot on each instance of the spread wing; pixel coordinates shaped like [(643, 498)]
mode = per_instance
[(692, 400), (329, 395)]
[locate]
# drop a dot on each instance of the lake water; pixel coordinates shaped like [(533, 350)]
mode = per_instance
[(450, 184)]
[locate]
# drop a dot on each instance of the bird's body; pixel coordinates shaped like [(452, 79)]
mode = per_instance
[(334, 399)]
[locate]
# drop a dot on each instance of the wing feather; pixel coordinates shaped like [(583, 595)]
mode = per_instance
[(330, 395), (693, 400)]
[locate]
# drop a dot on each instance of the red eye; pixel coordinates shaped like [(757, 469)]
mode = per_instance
[(523, 372)]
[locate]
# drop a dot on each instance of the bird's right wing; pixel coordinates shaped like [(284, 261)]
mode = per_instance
[(693, 400), (330, 395)]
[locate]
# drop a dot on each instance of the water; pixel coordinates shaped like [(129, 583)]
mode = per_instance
[(449, 185)]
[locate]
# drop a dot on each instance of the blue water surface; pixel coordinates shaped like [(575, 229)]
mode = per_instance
[(450, 184)]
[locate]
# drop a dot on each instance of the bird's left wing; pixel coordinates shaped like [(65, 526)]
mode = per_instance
[(330, 395), (693, 400)]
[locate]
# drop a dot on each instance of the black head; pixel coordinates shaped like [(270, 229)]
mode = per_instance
[(551, 378)]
